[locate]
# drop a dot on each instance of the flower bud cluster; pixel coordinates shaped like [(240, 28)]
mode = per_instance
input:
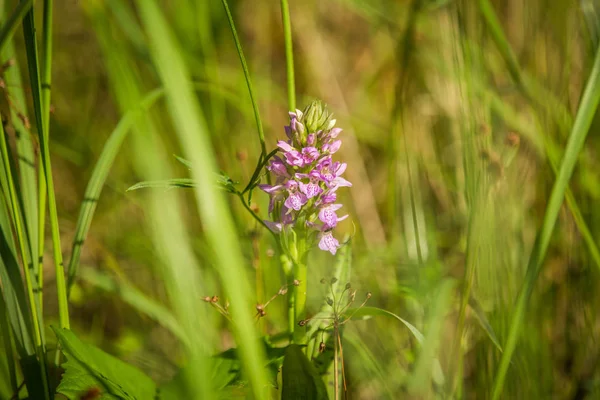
[(307, 179)]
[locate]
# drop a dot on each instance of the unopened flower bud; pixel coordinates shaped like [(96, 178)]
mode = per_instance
[(329, 301), (323, 280), (348, 285), (302, 322), (316, 116), (333, 280), (369, 294)]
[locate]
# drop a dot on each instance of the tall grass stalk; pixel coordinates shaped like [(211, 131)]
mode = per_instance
[(583, 120), (34, 77), (289, 54), (220, 231)]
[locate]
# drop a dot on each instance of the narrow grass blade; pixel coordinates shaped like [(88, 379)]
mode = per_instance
[(164, 184), (583, 120), (191, 131)]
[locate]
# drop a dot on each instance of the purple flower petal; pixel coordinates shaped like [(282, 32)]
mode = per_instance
[(278, 167), (335, 132), (285, 146), (276, 227), (310, 189), (270, 188), (329, 198), (328, 243), (295, 201), (339, 182), (335, 146)]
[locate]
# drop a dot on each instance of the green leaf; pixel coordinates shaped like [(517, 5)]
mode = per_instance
[(369, 312), (300, 379), (226, 373), (89, 367), (164, 184)]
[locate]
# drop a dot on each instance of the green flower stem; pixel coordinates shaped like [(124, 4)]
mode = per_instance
[(289, 54), (297, 300)]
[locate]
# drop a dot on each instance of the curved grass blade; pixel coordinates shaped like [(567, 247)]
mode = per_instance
[(105, 162), (370, 312), (583, 121), (96, 182)]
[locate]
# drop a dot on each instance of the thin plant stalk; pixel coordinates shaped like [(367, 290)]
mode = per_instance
[(336, 379), (46, 81), (238, 46), (289, 54)]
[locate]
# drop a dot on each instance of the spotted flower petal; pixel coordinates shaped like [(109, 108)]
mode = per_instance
[(328, 243)]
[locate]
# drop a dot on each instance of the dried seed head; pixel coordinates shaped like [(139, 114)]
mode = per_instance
[(321, 347), (369, 294), (282, 291), (207, 299), (260, 307), (270, 253), (296, 282), (348, 285), (329, 301), (512, 139), (302, 322), (323, 280), (214, 299), (352, 296), (9, 63), (333, 280), (241, 155), (262, 313)]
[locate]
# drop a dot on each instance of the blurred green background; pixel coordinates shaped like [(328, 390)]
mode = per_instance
[(455, 114)]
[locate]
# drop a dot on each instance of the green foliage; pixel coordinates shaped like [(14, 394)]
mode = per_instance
[(88, 367), (300, 379)]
